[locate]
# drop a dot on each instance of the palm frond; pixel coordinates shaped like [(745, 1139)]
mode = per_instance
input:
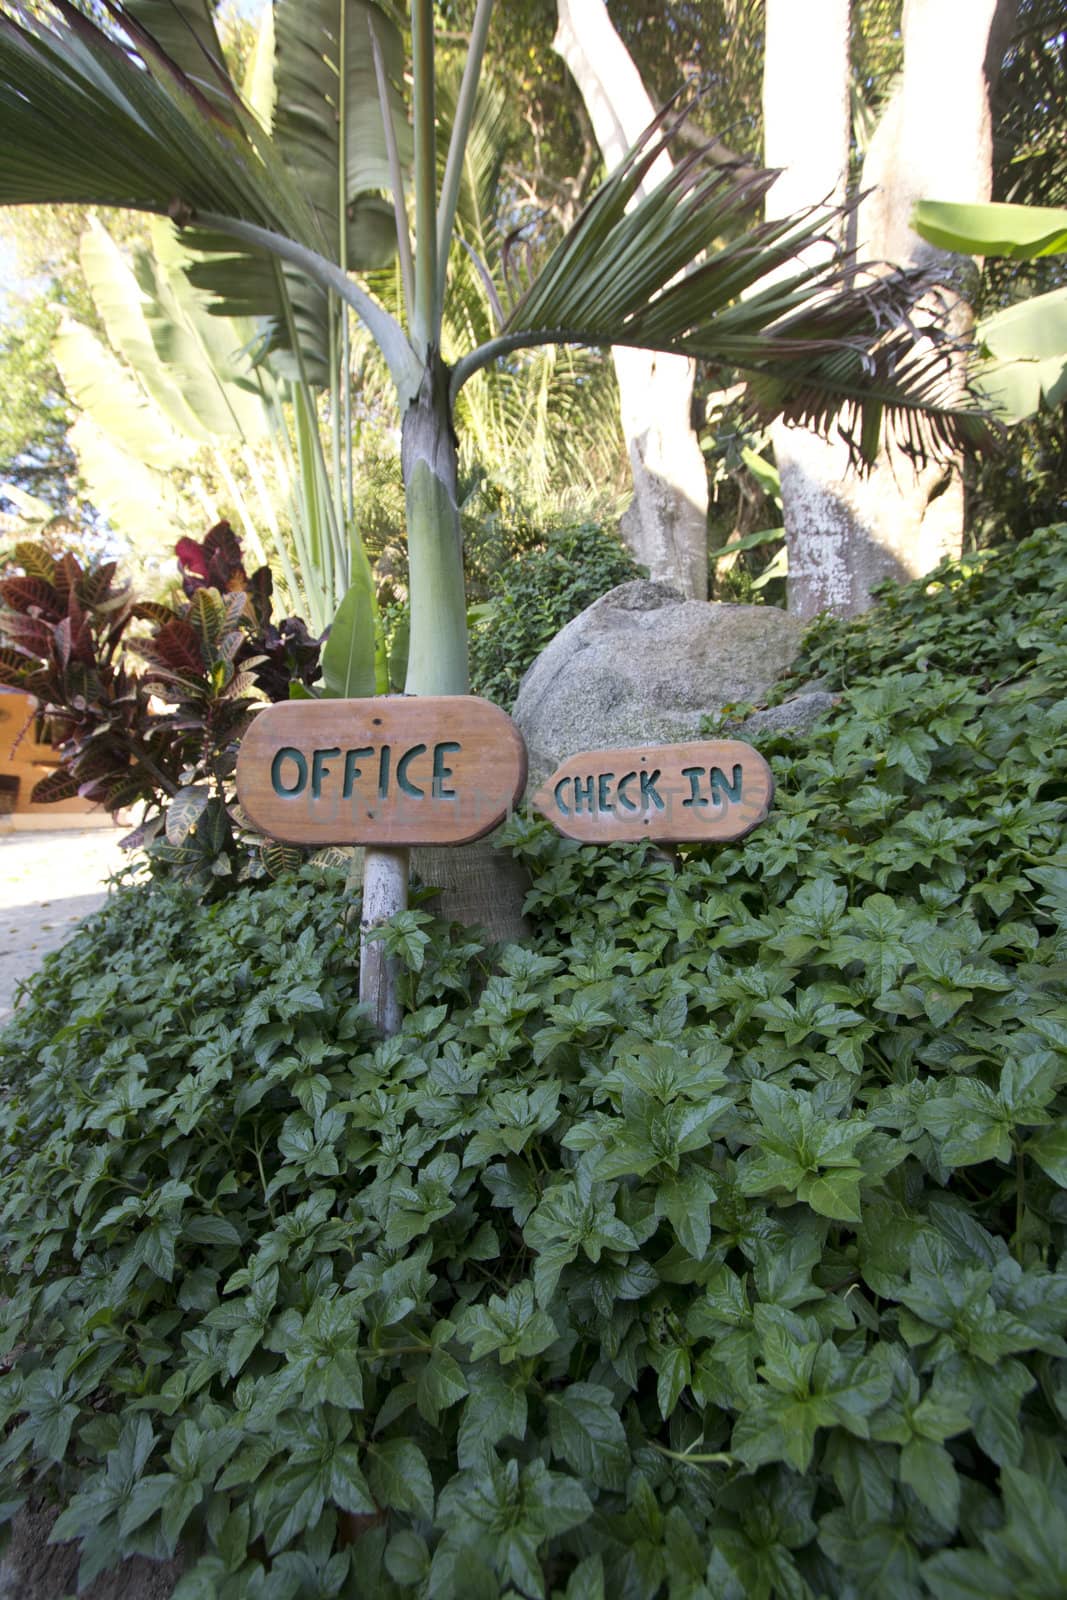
[(673, 271), (107, 118), (104, 115), (329, 118)]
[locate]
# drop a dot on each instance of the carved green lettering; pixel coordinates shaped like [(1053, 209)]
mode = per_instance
[(694, 798), (620, 793), (564, 809), (383, 771), (441, 772), (583, 792), (732, 791), (649, 793), (288, 753), (603, 791), (319, 769), (352, 768), (402, 771)]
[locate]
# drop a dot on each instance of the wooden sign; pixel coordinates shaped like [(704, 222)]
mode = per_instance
[(679, 793), (394, 770)]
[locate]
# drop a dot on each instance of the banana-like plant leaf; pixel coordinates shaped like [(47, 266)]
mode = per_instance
[(751, 541), (108, 117), (202, 353), (778, 568), (765, 473), (348, 668), (29, 506), (1027, 344), (327, 128), (1020, 233), (120, 304), (328, 120), (257, 90), (107, 393), (143, 504)]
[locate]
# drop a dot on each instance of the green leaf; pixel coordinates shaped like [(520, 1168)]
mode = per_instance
[(334, 143), (835, 1193), (1027, 345), (586, 1433), (636, 268), (407, 1559), (1020, 233), (185, 810), (930, 1471), (509, 1325), (495, 1409), (348, 654), (347, 1485), (1049, 1150), (765, 473), (400, 1479)]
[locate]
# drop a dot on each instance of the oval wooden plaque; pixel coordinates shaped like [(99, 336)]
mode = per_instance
[(394, 770), (677, 793)]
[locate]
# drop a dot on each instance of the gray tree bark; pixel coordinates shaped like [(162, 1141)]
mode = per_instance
[(846, 533), (666, 526)]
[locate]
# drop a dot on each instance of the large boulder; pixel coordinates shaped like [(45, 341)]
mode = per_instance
[(644, 665)]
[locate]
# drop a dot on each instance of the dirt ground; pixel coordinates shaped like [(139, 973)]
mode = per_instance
[(48, 883)]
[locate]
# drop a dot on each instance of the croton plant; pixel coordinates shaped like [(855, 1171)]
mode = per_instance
[(146, 701)]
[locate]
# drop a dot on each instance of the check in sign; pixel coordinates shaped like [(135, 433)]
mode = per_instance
[(679, 793)]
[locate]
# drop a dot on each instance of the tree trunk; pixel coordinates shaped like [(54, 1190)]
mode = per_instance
[(806, 119), (845, 533), (666, 525), (478, 884)]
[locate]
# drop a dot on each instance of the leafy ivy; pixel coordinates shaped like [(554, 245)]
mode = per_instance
[(711, 1246)]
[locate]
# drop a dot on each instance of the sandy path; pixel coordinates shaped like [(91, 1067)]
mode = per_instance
[(48, 882)]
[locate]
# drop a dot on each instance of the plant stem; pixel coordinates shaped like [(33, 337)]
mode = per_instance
[(425, 322), (383, 328), (437, 663)]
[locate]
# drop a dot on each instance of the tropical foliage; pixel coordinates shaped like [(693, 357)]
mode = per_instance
[(266, 210), (535, 596), (1025, 343), (154, 716), (711, 1245)]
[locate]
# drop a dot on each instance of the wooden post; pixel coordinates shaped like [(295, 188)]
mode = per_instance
[(388, 772), (385, 892)]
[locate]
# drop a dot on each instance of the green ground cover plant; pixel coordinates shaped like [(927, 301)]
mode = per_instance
[(708, 1248), (534, 596)]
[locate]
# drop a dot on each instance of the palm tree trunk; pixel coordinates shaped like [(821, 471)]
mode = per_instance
[(477, 884), (666, 526), (437, 663)]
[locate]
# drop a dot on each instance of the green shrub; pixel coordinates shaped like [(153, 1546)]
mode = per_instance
[(712, 1248), (532, 598)]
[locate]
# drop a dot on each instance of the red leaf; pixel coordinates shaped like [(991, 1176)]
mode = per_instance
[(175, 648), (58, 785), (22, 593), (68, 575), (153, 611), (95, 585), (192, 557), (30, 633)]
